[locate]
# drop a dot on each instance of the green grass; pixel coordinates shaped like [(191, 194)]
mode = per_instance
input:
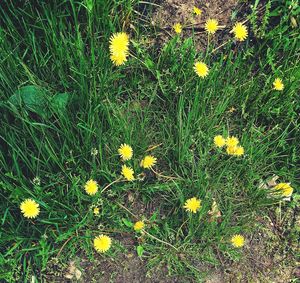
[(155, 98)]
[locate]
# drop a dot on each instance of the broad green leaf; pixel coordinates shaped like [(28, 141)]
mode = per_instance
[(32, 98), (139, 250), (127, 223), (59, 101)]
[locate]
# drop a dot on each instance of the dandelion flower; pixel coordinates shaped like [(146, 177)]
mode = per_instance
[(192, 205), (125, 151), (102, 243), (197, 11), (239, 151), (91, 187), (231, 150), (127, 172), (30, 208), (232, 141), (148, 161), (285, 189), (177, 28), (138, 226), (278, 84), (201, 69), (118, 47), (240, 32), (238, 241), (118, 58), (211, 26), (219, 141), (96, 210)]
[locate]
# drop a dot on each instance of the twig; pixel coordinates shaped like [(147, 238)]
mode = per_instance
[(64, 246), (115, 181)]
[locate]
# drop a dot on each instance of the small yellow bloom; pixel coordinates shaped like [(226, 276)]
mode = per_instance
[(118, 58), (148, 161), (201, 69), (139, 225), (192, 205), (125, 151), (30, 208), (238, 241), (91, 187), (232, 141), (239, 151), (177, 28), (102, 243), (285, 189), (197, 11), (231, 150), (278, 84), (240, 32), (119, 48), (211, 26), (219, 141), (96, 210), (127, 172)]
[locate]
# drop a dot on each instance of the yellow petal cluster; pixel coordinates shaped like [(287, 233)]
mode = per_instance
[(177, 28), (278, 84), (192, 205), (118, 47), (240, 32), (219, 141), (201, 69), (125, 151), (138, 226), (102, 243), (197, 11), (284, 189), (211, 26), (30, 208), (127, 172), (148, 161), (91, 187), (238, 241)]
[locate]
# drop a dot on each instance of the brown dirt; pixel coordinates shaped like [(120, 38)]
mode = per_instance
[(181, 11)]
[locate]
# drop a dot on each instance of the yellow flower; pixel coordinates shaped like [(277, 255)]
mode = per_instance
[(197, 11), (238, 241), (102, 243), (30, 208), (219, 141), (138, 226), (278, 84), (96, 210), (177, 28), (192, 204), (119, 48), (240, 32), (201, 69), (91, 187), (285, 189), (127, 172), (118, 58), (232, 141), (231, 150), (148, 161), (239, 151), (211, 26), (125, 151)]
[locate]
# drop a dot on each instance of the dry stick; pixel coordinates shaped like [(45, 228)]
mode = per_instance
[(151, 236), (153, 147), (63, 246), (166, 177), (115, 181)]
